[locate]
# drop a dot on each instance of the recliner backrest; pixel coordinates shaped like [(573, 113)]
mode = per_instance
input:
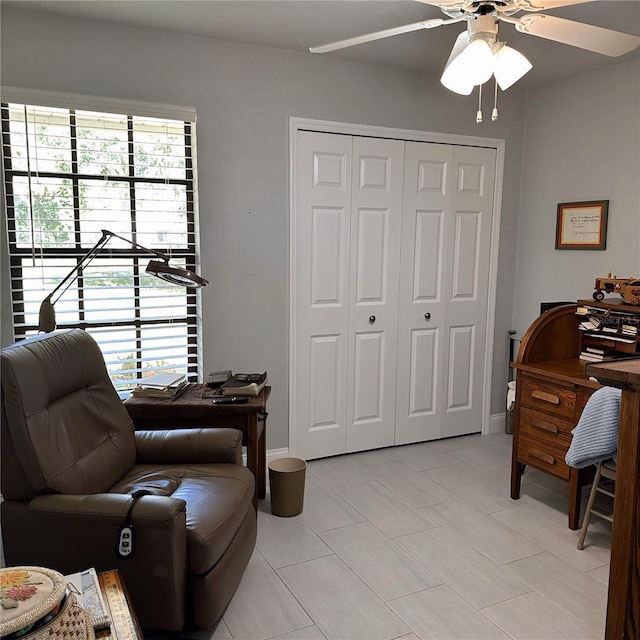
[(69, 430)]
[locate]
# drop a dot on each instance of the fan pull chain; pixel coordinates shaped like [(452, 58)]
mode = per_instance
[(479, 114), (494, 113)]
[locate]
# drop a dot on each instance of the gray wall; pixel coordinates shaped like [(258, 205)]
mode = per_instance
[(244, 96), (582, 142)]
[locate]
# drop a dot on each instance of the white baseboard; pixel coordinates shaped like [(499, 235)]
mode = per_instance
[(496, 422), (496, 425), (272, 454)]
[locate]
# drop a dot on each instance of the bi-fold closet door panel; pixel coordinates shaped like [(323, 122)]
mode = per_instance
[(321, 261), (446, 242), (391, 256), (376, 219), (347, 258)]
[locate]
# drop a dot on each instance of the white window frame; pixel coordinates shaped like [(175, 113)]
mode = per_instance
[(24, 325)]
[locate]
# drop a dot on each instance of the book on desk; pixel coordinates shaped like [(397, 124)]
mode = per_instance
[(161, 385), (244, 384)]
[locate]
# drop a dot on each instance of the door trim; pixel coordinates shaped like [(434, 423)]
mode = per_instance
[(323, 126)]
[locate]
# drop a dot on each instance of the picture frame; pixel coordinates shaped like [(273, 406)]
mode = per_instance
[(582, 225)]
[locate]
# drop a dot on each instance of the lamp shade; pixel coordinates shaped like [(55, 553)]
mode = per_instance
[(477, 59), (470, 64), (509, 66), (175, 275), (452, 79), (47, 316)]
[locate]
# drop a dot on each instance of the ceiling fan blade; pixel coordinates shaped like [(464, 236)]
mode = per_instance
[(541, 5), (577, 34), (525, 5), (447, 4), (378, 35)]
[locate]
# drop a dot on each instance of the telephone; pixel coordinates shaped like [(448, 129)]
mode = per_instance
[(216, 378)]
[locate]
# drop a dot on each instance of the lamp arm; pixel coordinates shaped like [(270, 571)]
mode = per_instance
[(70, 278), (159, 254), (85, 260)]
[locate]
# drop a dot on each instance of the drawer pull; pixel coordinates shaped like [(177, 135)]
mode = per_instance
[(545, 457), (545, 397), (544, 426)]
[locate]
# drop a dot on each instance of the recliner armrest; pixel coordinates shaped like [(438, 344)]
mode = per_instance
[(158, 512), (189, 446), (69, 533)]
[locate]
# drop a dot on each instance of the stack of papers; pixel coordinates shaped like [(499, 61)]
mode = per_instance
[(87, 589), (161, 385)]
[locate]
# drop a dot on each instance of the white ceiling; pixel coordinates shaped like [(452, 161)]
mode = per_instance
[(299, 24)]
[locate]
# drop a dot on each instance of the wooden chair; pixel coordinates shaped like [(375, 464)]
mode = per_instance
[(605, 470)]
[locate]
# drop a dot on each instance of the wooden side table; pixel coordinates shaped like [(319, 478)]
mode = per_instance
[(191, 410), (124, 624), (623, 607)]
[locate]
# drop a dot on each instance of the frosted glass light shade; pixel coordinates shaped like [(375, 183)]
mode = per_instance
[(470, 64), (510, 66), (452, 80), (478, 60)]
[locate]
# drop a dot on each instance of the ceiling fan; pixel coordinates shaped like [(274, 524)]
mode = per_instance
[(477, 53)]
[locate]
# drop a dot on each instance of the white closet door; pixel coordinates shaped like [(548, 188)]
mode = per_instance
[(467, 291), (376, 218), (422, 301), (321, 317), (446, 237)]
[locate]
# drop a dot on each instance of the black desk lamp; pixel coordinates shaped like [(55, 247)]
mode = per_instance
[(159, 268)]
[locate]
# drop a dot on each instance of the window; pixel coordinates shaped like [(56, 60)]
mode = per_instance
[(71, 172)]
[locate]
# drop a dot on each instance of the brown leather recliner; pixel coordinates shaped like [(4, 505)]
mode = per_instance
[(70, 462)]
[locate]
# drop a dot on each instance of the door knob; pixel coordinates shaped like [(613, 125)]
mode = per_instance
[(427, 316), (372, 319)]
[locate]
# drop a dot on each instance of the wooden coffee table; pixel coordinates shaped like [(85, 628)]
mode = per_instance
[(191, 410)]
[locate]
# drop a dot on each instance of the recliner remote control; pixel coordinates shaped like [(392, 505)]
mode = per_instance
[(125, 544)]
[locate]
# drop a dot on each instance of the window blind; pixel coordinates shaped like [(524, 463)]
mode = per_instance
[(71, 172)]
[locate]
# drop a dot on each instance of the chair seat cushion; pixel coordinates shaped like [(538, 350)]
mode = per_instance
[(217, 497)]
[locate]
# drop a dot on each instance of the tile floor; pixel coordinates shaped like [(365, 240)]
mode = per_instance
[(422, 541)]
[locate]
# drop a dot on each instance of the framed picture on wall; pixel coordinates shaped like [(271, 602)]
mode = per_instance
[(582, 225)]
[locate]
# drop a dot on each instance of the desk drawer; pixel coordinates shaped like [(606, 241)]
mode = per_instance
[(543, 456), (548, 397), (545, 427)]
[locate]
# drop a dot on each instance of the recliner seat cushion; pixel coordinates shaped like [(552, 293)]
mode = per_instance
[(217, 497)]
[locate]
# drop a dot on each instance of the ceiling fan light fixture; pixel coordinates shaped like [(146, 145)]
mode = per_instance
[(509, 66)]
